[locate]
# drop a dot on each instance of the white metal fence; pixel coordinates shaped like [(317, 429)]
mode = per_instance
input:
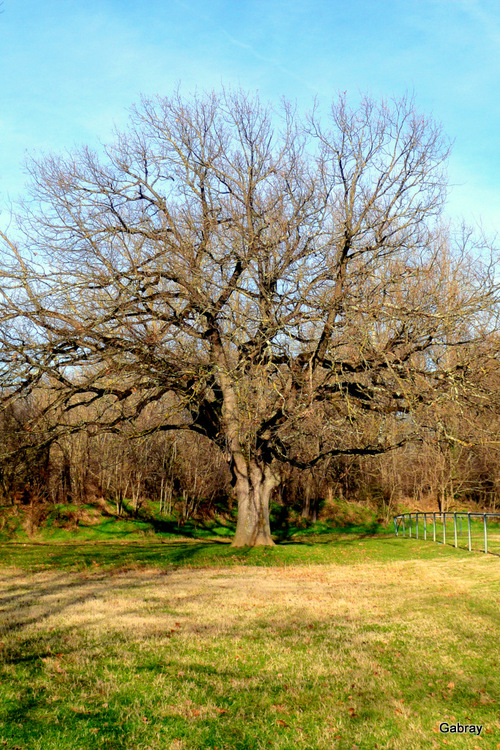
[(478, 531)]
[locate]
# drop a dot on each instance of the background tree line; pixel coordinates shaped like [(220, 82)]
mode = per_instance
[(187, 477), (235, 303)]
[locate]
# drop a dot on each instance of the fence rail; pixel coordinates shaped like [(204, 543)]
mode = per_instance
[(478, 531)]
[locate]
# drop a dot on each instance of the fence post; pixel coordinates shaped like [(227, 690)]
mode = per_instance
[(455, 528), (469, 529), (485, 522), (425, 526), (444, 527), (396, 526), (417, 523), (404, 525), (433, 527), (409, 521)]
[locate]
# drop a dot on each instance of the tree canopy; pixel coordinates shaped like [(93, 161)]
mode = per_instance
[(282, 286)]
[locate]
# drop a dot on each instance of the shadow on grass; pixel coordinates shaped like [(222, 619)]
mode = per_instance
[(323, 533), (331, 546), (190, 529), (143, 521)]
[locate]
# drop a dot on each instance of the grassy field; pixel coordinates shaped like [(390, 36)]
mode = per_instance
[(345, 641)]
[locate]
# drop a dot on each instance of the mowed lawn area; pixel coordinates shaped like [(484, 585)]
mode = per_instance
[(360, 642)]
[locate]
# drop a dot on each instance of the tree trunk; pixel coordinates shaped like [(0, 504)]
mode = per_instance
[(253, 481), (253, 490), (306, 504)]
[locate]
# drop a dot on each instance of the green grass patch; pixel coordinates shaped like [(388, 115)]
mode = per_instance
[(338, 548), (67, 522)]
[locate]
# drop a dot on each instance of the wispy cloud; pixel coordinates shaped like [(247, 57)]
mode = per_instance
[(488, 19), (70, 70)]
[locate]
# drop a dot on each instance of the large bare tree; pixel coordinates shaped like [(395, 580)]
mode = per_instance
[(267, 280)]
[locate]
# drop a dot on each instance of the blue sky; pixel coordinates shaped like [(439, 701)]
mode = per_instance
[(70, 69)]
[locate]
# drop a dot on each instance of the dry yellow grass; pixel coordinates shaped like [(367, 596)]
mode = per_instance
[(372, 655), (134, 601)]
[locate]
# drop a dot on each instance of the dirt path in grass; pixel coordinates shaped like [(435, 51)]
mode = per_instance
[(149, 602)]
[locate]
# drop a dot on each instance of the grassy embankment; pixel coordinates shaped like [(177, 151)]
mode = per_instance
[(343, 640)]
